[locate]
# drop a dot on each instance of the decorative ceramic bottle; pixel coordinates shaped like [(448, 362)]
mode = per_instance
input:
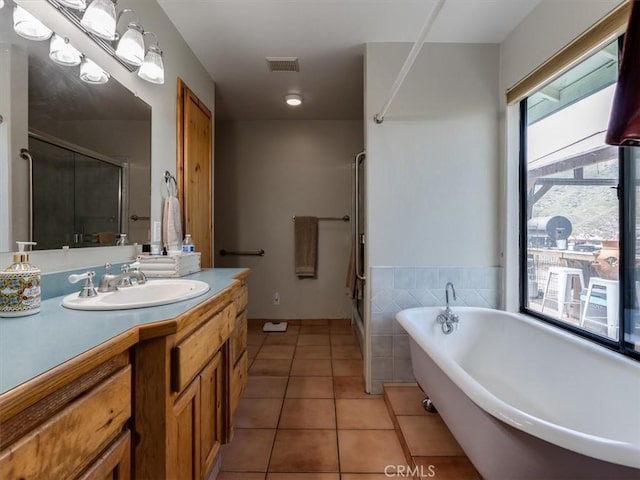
[(20, 286)]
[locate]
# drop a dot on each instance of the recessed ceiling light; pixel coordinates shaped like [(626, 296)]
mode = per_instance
[(293, 100)]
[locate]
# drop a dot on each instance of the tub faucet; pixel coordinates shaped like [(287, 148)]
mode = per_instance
[(448, 319)]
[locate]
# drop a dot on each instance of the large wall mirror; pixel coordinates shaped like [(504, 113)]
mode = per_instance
[(89, 147)]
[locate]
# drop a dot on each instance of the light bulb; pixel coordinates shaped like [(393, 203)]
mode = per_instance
[(90, 72), (28, 26), (152, 70), (293, 100), (63, 53)]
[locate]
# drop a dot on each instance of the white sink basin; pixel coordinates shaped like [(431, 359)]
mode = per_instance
[(149, 294)]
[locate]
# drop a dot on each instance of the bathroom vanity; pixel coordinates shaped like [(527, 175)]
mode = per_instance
[(153, 397)]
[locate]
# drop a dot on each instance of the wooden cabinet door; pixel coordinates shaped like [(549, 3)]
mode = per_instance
[(185, 437), (211, 411), (114, 463)]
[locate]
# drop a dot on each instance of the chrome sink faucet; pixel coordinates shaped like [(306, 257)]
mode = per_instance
[(448, 319), (110, 282)]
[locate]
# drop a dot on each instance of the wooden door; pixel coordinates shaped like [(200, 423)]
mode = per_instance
[(114, 463), (195, 169), (185, 465), (211, 412)]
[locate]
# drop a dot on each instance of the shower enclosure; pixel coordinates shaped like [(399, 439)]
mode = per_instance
[(77, 195), (359, 241)]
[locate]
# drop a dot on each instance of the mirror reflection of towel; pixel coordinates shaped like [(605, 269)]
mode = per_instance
[(171, 223), (306, 246)]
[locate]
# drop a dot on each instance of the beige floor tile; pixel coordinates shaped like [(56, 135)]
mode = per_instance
[(346, 368), (310, 387), (304, 451), (281, 339), (350, 387), (265, 387), (345, 352), (428, 436), (312, 339), (354, 414), (252, 351), (240, 476), (258, 413), (303, 367), (314, 329), (406, 400), (277, 367), (313, 351), (369, 451), (342, 339), (276, 351), (303, 476), (447, 468), (256, 441), (307, 413)]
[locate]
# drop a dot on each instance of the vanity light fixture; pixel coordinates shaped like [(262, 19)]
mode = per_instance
[(1, 3), (100, 19), (152, 70), (63, 53), (293, 100), (75, 4), (28, 26), (90, 72), (131, 45)]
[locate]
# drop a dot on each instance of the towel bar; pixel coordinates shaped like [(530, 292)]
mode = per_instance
[(257, 253), (344, 218)]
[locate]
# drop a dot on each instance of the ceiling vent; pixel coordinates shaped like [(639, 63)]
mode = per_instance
[(283, 64)]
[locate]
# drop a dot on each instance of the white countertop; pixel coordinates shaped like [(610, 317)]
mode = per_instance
[(29, 346)]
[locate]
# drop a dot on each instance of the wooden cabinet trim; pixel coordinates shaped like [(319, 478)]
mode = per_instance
[(114, 462), (23, 396), (96, 419), (192, 354), (19, 425)]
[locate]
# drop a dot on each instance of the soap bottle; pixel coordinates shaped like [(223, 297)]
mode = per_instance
[(20, 286), (187, 244)]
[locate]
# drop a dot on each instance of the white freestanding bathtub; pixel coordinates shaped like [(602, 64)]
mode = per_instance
[(526, 400)]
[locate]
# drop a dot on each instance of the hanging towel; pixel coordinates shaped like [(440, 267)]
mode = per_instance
[(171, 223), (306, 246)]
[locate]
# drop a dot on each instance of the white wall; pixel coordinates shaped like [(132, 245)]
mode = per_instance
[(432, 166), (268, 171), (179, 60), (546, 30)]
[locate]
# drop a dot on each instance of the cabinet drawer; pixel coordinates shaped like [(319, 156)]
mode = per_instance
[(71, 439), (191, 355), (238, 382), (241, 298), (114, 463), (239, 338)]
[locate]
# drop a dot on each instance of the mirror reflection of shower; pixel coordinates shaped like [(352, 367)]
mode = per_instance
[(77, 195)]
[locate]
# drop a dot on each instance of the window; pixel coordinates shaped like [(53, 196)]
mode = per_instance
[(578, 208)]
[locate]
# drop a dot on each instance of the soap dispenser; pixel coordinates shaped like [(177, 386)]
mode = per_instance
[(20, 286)]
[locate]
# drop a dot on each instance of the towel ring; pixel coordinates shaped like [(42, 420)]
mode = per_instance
[(169, 182)]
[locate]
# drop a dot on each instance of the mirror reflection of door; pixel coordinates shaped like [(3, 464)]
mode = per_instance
[(76, 196), (195, 170)]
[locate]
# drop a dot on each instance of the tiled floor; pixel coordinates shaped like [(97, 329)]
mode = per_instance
[(305, 415)]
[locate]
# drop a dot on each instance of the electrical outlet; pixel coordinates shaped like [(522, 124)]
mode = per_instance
[(276, 298)]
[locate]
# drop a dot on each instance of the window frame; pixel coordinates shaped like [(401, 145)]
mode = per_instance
[(626, 229)]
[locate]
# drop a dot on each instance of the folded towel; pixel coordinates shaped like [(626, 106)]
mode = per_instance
[(171, 224), (306, 246)]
